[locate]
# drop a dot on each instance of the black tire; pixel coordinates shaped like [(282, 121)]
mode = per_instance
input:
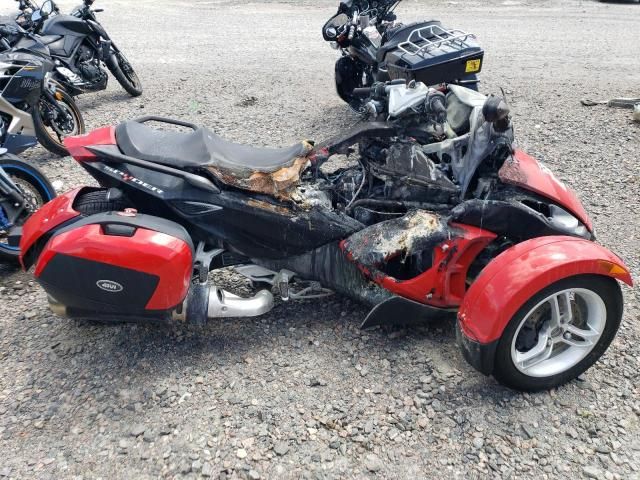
[(26, 176), (610, 293), (348, 76), (93, 202), (51, 140), (125, 74)]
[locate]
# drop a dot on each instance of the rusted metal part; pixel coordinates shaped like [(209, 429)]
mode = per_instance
[(511, 172), (279, 184), (614, 102)]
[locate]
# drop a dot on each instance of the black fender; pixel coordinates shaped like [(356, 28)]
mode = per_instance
[(401, 311)]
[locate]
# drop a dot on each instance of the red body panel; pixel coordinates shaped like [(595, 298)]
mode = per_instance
[(52, 214), (444, 284), (168, 258), (526, 172), (517, 274), (76, 145)]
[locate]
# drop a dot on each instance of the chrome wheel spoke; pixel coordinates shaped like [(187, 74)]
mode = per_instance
[(556, 315), (585, 337), (539, 353), (567, 316), (558, 332)]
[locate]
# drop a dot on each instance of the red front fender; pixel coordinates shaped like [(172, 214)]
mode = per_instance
[(517, 274)]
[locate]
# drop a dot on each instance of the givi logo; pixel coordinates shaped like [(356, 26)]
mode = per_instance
[(109, 286)]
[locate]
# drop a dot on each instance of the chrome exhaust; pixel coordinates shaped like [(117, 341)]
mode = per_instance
[(57, 308), (206, 302), (203, 303), (223, 304)]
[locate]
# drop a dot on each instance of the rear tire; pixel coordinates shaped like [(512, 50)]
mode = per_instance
[(603, 296), (94, 202), (51, 140), (33, 182), (125, 74)]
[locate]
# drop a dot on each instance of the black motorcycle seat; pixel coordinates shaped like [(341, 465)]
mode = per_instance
[(400, 35), (201, 148)]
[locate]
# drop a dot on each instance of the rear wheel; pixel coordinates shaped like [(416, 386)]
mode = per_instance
[(36, 190), (559, 333), (125, 74), (98, 201), (54, 123)]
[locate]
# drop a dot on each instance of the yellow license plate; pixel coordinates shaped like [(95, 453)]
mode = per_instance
[(473, 66)]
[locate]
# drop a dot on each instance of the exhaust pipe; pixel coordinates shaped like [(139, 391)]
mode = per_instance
[(224, 304), (203, 303), (206, 302)]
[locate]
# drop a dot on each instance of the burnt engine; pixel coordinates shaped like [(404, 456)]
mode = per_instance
[(391, 179)]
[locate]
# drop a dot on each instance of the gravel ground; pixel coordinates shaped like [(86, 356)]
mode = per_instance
[(301, 392)]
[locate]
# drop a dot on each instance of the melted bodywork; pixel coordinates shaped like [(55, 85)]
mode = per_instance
[(525, 171), (279, 184), (432, 257), (402, 237)]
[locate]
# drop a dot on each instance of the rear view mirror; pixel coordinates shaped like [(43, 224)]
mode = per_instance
[(46, 9), (333, 27), (338, 21)]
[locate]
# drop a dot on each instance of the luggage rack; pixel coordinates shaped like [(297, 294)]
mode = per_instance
[(423, 40)]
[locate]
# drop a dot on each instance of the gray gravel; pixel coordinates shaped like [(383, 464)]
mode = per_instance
[(301, 392)]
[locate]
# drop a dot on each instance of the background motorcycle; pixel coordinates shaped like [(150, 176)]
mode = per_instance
[(33, 107), (23, 190), (376, 49), (438, 214), (78, 44)]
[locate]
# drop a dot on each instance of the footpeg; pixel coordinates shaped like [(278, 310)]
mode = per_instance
[(283, 281)]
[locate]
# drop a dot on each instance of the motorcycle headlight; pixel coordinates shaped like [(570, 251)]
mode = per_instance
[(565, 221)]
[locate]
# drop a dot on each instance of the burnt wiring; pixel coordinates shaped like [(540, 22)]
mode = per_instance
[(364, 179)]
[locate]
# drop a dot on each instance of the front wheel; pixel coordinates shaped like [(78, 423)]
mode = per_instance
[(125, 74), (559, 333), (54, 122), (350, 74), (35, 189)]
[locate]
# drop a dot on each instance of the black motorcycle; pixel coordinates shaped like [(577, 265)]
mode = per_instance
[(377, 49), (23, 190), (33, 107), (78, 44)]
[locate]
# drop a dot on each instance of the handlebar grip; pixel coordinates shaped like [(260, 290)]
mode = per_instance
[(362, 92)]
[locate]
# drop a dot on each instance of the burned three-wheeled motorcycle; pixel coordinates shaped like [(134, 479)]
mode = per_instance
[(433, 212)]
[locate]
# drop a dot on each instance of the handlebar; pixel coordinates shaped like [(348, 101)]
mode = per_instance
[(362, 92)]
